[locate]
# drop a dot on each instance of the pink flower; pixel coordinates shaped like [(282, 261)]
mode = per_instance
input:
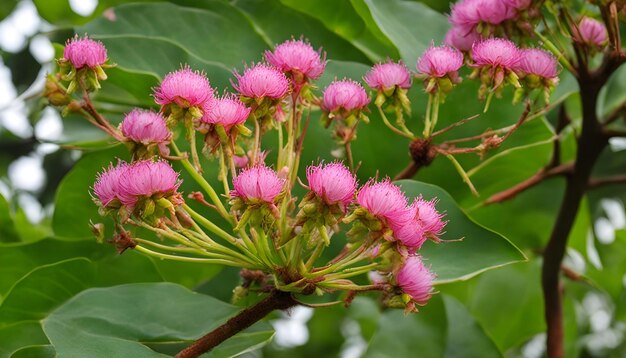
[(461, 38), (298, 56), (538, 62), (146, 127), (346, 94), (185, 87), (260, 81), (228, 111), (145, 179), (83, 52), (469, 13), (258, 184), (107, 184), (429, 218), (592, 32), (495, 52), (333, 183), (384, 76), (440, 61), (415, 280), (410, 234), (382, 199)]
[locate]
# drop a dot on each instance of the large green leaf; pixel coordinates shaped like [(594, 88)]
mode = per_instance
[(19, 335), (397, 20), (74, 208), (122, 320), (7, 226), (216, 38), (44, 288), (479, 250), (341, 18), (443, 328)]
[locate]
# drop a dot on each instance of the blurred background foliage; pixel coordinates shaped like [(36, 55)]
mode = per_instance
[(47, 165)]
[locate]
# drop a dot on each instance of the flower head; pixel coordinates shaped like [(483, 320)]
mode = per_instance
[(384, 199), (428, 217), (147, 179), (107, 186), (469, 13), (81, 52), (228, 111), (461, 38), (387, 75), (440, 61), (333, 183), (145, 127), (495, 52), (345, 94), (299, 58), (185, 88), (258, 184), (416, 280), (411, 234), (261, 81), (592, 32), (538, 62)]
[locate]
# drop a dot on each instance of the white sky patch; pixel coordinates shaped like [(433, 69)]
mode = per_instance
[(31, 206), (615, 212), (26, 173), (83, 7), (23, 22), (604, 230), (291, 330), (50, 126), (617, 144), (41, 48)]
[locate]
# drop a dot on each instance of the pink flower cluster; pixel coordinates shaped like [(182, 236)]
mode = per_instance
[(388, 75), (227, 111), (333, 183), (185, 88), (126, 184), (537, 62), (345, 95), (495, 52), (411, 224), (261, 81), (298, 58), (81, 52), (145, 127), (258, 184)]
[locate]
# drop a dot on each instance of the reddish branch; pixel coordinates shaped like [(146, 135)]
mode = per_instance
[(276, 300)]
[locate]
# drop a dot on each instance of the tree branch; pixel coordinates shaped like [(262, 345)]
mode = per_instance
[(277, 300), (599, 182)]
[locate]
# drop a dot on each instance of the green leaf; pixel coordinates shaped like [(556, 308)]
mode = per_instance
[(184, 35), (36, 351), (397, 20), (427, 333), (277, 23), (74, 208), (122, 320), (479, 250), (442, 328), (341, 18), (44, 288), (6, 7), (20, 335), (7, 226)]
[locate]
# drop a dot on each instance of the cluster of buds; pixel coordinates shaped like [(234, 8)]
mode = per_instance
[(271, 231)]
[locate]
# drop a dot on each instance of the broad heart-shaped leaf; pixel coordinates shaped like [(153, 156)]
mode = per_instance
[(479, 250), (411, 26), (19, 335), (120, 321), (442, 328)]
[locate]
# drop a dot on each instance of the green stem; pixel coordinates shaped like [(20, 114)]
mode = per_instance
[(435, 112), (462, 173), (204, 185), (188, 259), (429, 106), (392, 127), (209, 225), (224, 172)]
